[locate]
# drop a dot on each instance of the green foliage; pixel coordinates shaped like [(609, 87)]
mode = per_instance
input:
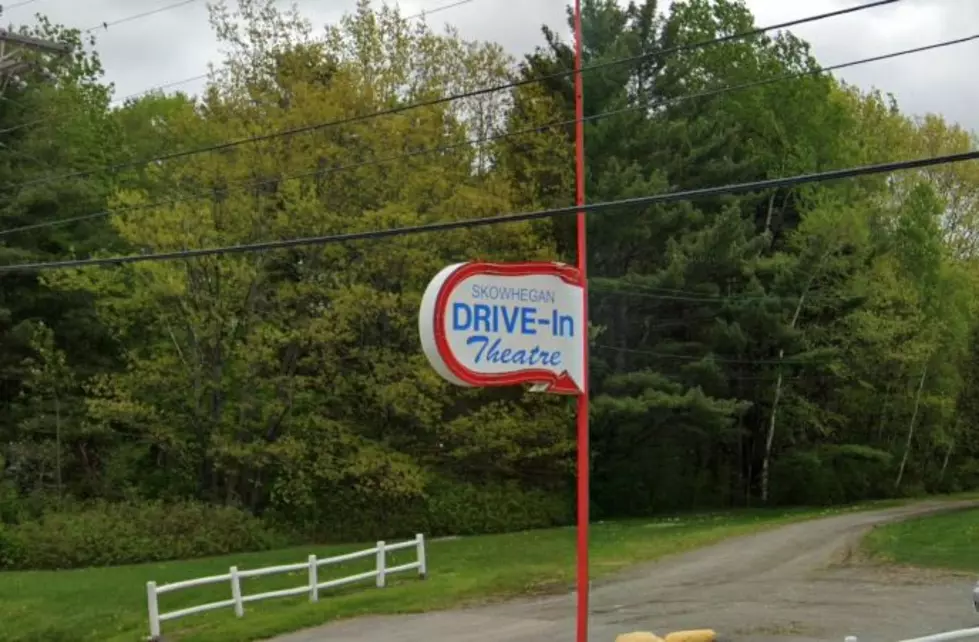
[(130, 532), (832, 475), (814, 344), (467, 509), (445, 507), (944, 541), (826, 318), (34, 606)]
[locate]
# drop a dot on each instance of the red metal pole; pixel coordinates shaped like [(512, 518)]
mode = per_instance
[(583, 458)]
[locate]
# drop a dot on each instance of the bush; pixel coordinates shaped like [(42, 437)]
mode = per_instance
[(831, 474), (447, 507), (468, 509), (802, 478), (107, 534)]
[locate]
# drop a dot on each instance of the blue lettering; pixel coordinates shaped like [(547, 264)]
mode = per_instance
[(487, 351), (563, 324), (478, 339), (457, 308), (534, 356), (510, 322), (481, 318), (492, 353), (503, 293), (527, 320)]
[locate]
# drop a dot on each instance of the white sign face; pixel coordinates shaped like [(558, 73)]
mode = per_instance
[(485, 324)]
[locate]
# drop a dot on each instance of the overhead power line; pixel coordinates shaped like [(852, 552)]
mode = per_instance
[(8, 7), (685, 297), (182, 3), (445, 7), (421, 14), (176, 83), (788, 361), (139, 16), (446, 99), (319, 172), (427, 228)]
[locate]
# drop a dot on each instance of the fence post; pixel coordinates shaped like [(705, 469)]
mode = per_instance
[(314, 589), (381, 564), (236, 592), (422, 563), (154, 608)]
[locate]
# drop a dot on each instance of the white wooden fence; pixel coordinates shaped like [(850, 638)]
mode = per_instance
[(948, 636), (312, 587)]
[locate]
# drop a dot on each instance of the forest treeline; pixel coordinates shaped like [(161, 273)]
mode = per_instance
[(806, 345)]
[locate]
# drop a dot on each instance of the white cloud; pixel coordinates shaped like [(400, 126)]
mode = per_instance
[(178, 44)]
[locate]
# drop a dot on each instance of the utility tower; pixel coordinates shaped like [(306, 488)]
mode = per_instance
[(17, 53)]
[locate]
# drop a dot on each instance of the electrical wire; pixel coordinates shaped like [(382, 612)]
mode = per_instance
[(421, 14), (5, 8), (597, 285), (427, 12), (684, 297), (445, 99), (139, 16), (319, 172), (611, 285), (40, 121), (104, 25), (686, 357), (181, 3), (641, 201)]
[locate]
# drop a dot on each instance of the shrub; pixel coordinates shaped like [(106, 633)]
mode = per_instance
[(831, 474), (106, 534), (468, 509), (447, 507), (802, 478)]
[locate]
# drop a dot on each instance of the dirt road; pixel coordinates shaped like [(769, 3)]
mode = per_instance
[(793, 583)]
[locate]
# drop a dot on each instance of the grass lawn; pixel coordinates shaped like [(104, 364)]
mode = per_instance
[(945, 541), (109, 604)]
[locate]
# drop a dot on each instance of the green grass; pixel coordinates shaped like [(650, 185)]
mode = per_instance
[(109, 604), (946, 541)]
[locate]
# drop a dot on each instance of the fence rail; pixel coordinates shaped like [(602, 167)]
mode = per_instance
[(948, 636), (312, 587)]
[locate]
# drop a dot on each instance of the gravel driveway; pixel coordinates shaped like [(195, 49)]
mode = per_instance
[(793, 583)]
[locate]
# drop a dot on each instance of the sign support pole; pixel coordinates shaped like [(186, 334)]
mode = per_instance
[(582, 410)]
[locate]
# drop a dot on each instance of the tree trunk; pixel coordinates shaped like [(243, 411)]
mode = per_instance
[(770, 438), (948, 454), (771, 210), (914, 416), (57, 443), (743, 486)]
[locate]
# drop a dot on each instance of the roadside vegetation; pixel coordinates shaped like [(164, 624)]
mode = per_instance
[(809, 346), (946, 541), (109, 604)]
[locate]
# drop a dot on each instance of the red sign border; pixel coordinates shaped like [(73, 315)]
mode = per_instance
[(556, 383)]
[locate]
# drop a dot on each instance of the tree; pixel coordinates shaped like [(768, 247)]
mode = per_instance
[(293, 381), (55, 122)]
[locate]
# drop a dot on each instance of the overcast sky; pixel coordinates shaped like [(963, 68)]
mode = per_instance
[(177, 43)]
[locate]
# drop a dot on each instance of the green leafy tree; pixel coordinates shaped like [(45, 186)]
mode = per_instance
[(293, 381)]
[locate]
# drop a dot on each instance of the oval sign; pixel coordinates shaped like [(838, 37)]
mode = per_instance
[(504, 324)]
